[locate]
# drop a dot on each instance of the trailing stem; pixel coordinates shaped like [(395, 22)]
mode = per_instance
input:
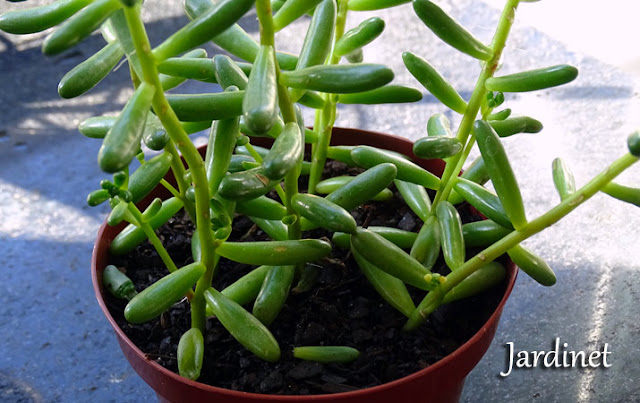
[(153, 238), (455, 163), (189, 152), (176, 162), (326, 117), (433, 299), (263, 9)]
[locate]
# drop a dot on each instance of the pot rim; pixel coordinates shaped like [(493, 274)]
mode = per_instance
[(492, 321)]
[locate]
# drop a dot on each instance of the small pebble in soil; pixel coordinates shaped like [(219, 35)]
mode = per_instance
[(408, 222), (313, 334), (272, 382), (305, 370)]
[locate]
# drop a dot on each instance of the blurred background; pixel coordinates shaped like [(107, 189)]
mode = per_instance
[(56, 345)]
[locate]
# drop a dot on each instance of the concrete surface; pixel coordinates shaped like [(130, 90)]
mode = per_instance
[(57, 347)]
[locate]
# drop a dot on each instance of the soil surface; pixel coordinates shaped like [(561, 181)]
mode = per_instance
[(342, 309)]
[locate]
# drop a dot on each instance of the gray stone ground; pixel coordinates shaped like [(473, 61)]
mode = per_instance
[(57, 347)]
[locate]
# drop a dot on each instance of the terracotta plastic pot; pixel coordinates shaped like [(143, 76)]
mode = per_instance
[(440, 382)]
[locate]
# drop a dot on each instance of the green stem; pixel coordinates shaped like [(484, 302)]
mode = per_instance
[(291, 179), (263, 9), (153, 238), (319, 158), (178, 173), (267, 33), (433, 299), (497, 45), (256, 156), (463, 157), (327, 115), (315, 174), (134, 77), (285, 102), (190, 153), (454, 164), (176, 162), (291, 189), (174, 192), (198, 303)]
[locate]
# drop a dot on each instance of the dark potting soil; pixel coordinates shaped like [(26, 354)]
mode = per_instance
[(342, 309)]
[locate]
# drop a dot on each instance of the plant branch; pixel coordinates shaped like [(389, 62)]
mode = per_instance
[(429, 304), (464, 130), (267, 33), (190, 153), (153, 238), (327, 115), (263, 9), (174, 192)]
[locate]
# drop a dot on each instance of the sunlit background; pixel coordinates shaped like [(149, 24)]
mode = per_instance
[(56, 345), (602, 29)]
